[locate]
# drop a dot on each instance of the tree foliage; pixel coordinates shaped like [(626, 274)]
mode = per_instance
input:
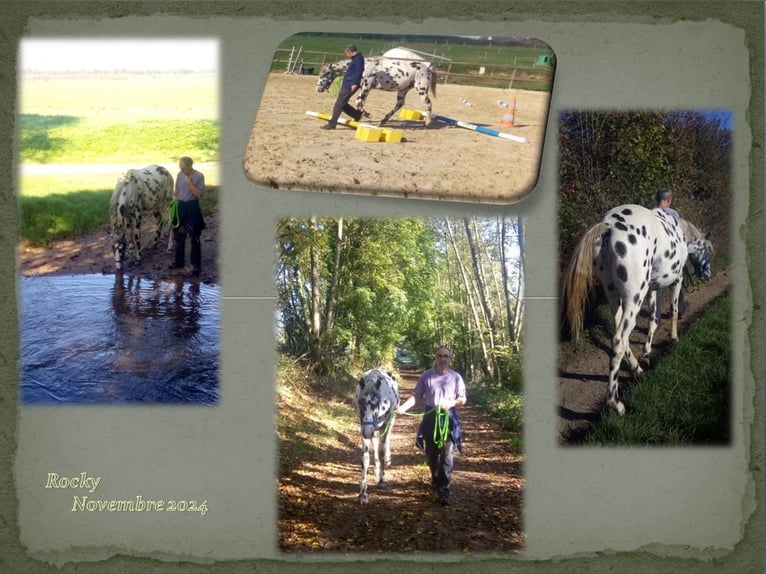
[(352, 291), (612, 158)]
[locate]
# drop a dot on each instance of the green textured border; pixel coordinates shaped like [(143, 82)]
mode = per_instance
[(745, 15)]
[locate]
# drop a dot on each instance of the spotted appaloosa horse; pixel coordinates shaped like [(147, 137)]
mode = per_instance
[(390, 75), (375, 401), (632, 251), (138, 190)]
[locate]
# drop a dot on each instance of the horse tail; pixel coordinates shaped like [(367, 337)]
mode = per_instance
[(432, 82), (578, 278)]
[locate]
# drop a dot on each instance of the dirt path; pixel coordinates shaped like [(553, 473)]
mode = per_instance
[(320, 510), (584, 377)]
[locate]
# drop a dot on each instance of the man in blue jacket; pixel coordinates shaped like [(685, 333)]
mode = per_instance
[(351, 80)]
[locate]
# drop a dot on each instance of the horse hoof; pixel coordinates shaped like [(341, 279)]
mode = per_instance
[(363, 500), (620, 409), (383, 484)]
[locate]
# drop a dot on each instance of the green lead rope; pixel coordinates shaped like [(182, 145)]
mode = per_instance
[(173, 218), (441, 424), (690, 283), (441, 427)]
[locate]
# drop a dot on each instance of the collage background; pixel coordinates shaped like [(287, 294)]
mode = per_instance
[(641, 62)]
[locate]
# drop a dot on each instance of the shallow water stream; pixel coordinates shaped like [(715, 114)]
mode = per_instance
[(118, 339)]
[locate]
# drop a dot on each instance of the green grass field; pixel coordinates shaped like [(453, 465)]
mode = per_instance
[(454, 48), (456, 59), (684, 400), (102, 120)]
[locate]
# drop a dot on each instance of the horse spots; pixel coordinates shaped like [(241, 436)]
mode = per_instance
[(621, 226), (632, 239), (622, 273), (627, 211), (620, 248)]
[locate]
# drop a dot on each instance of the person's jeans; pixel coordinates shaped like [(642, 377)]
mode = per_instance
[(195, 256), (342, 106)]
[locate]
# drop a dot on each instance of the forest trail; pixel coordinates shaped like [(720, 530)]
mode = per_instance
[(320, 511)]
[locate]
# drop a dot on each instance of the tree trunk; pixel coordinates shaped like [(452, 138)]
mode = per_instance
[(333, 291), (467, 286), (315, 332)]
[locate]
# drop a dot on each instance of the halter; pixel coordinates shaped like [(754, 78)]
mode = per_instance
[(387, 427), (691, 282)]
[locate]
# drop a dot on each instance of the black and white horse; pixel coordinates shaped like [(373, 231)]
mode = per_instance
[(375, 401), (390, 75), (149, 189), (633, 251)]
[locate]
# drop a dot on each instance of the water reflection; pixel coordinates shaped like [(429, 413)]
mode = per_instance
[(119, 339)]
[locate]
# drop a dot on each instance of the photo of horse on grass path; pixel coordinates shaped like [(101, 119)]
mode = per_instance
[(391, 308), (645, 286)]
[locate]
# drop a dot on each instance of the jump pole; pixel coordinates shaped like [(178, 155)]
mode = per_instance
[(480, 129), (343, 121)]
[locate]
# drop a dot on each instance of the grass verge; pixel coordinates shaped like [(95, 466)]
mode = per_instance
[(62, 216), (685, 399)]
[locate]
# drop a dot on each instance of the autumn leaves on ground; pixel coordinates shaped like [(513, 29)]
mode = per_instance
[(320, 464)]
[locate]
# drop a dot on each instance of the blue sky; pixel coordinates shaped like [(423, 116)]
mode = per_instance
[(726, 117), (52, 54)]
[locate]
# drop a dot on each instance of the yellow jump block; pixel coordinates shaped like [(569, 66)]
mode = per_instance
[(390, 135), (411, 115), (368, 133)]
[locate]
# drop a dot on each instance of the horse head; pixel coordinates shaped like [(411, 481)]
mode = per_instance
[(700, 249), (700, 252), (375, 399), (328, 74)]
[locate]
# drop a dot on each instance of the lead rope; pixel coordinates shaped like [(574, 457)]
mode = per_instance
[(690, 282), (441, 424), (173, 218), (441, 427), (169, 216)]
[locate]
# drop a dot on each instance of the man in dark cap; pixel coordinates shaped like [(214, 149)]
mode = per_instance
[(350, 84)]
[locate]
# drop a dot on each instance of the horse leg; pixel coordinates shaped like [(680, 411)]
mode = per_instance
[(655, 309), (625, 321), (399, 103), (361, 99), (387, 443), (675, 293), (365, 466), (135, 237), (378, 445)]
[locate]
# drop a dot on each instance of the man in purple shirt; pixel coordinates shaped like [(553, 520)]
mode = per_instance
[(350, 84), (190, 184), (439, 390)]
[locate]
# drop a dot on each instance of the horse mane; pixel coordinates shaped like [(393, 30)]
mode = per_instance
[(689, 230)]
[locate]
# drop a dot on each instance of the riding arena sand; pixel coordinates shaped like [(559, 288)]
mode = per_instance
[(287, 150)]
